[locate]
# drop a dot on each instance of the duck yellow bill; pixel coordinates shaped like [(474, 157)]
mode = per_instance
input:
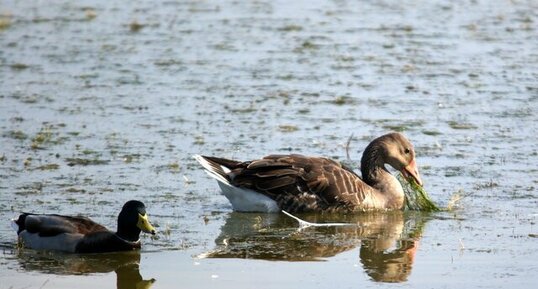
[(144, 224), (412, 170)]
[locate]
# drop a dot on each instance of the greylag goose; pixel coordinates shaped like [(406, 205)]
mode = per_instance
[(82, 235), (297, 183)]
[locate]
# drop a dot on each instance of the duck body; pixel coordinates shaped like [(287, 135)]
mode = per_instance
[(297, 183), (82, 235)]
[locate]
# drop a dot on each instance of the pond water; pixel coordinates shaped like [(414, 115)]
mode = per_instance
[(102, 102)]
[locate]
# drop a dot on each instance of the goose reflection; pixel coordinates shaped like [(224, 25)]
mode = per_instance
[(387, 240), (125, 264)]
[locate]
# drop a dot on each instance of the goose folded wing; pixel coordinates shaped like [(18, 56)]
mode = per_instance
[(329, 181), (282, 174)]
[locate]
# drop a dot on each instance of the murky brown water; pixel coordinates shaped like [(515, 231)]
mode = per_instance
[(103, 101)]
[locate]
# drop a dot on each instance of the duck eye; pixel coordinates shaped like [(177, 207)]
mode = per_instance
[(407, 151)]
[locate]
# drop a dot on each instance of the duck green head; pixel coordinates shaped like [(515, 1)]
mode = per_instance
[(133, 219)]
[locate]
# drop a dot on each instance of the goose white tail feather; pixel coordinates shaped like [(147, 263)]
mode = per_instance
[(213, 171), (242, 199)]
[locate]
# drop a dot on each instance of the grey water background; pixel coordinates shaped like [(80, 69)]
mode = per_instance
[(106, 101)]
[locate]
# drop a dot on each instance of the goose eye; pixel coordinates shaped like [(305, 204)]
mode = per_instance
[(407, 151)]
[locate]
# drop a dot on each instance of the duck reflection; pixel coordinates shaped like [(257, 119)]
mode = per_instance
[(387, 240), (125, 264)]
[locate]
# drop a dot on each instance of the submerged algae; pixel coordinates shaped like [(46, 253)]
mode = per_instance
[(416, 198)]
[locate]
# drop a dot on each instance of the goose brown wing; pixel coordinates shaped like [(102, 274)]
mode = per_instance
[(345, 188), (301, 183)]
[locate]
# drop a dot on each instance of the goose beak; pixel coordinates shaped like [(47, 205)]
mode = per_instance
[(144, 224), (411, 170)]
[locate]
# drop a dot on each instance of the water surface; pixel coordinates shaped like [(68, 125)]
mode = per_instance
[(102, 102)]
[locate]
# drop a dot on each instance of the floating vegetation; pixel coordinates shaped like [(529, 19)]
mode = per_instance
[(431, 132), (75, 190), (19, 66), (17, 134), (397, 125), (89, 13), (408, 68), (130, 158), (85, 162), (73, 201), (46, 137), (249, 109), (416, 198), (453, 171), (30, 189), (5, 21), (73, 133), (199, 140), (290, 27), (455, 200), (487, 185), (174, 167), (287, 128), (287, 77), (224, 47), (460, 125), (168, 62), (42, 137), (135, 26), (342, 100), (306, 45), (345, 58), (48, 167), (89, 152)]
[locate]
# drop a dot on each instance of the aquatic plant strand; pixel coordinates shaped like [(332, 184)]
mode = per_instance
[(416, 198)]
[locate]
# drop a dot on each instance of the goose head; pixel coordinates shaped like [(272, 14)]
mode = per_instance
[(399, 153)]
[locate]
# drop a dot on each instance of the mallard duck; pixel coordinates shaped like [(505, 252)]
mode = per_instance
[(82, 235), (297, 183)]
